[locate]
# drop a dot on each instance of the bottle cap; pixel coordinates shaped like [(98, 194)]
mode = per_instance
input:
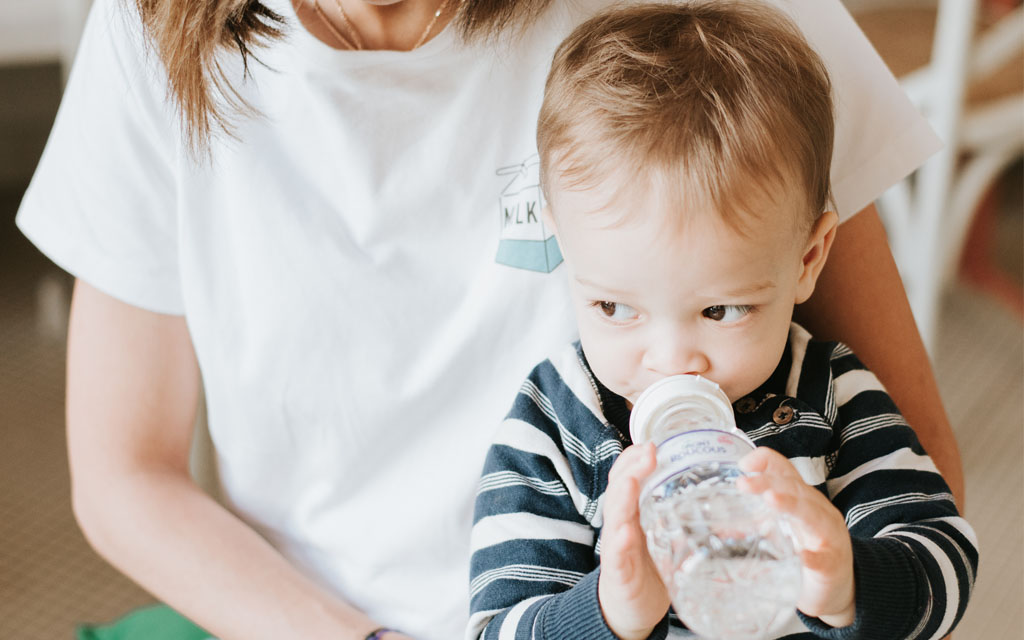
[(673, 393)]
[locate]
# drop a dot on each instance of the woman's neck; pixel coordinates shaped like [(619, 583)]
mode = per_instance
[(355, 24)]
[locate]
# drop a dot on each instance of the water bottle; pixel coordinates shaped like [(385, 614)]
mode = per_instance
[(728, 560)]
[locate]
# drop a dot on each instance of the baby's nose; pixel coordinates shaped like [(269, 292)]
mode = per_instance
[(676, 356)]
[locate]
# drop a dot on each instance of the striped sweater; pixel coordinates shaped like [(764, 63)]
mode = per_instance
[(537, 527)]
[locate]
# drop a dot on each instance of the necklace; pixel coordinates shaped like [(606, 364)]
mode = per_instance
[(349, 43), (353, 41), (430, 25), (348, 25)]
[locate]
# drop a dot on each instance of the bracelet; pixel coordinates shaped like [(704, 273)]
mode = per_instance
[(377, 634)]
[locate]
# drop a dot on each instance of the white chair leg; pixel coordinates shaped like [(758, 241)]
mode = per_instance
[(953, 33), (974, 179)]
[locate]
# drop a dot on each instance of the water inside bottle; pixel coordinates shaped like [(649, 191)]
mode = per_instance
[(728, 560)]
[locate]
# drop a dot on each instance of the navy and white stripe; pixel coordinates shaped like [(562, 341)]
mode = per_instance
[(537, 526)]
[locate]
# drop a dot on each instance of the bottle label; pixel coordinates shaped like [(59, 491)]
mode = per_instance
[(703, 446)]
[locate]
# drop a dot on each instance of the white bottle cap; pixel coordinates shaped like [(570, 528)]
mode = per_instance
[(668, 394)]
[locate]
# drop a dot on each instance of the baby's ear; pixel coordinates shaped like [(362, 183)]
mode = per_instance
[(819, 243)]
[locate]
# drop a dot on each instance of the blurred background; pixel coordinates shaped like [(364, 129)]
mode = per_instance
[(956, 228)]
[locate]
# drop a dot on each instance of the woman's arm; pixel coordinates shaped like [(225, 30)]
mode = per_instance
[(132, 390), (860, 300)]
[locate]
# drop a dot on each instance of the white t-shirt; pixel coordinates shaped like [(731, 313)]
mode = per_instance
[(363, 270)]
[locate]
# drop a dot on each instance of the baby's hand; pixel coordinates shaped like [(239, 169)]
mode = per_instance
[(828, 588), (632, 596)]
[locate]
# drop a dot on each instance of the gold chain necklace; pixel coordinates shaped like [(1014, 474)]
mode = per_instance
[(348, 25), (354, 41), (346, 41), (430, 25)]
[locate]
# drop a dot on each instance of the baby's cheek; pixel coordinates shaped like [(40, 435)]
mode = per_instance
[(748, 369), (615, 373)]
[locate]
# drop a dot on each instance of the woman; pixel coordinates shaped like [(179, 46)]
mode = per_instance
[(359, 273)]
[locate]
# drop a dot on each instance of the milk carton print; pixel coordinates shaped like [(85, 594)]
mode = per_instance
[(526, 243)]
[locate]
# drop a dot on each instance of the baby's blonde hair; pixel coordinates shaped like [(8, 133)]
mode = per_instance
[(721, 101)]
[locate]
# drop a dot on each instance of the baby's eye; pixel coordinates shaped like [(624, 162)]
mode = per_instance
[(616, 311), (727, 312)]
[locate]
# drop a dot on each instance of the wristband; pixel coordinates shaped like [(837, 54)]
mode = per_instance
[(377, 634)]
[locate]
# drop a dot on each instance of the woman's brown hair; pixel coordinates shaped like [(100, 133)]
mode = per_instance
[(189, 35)]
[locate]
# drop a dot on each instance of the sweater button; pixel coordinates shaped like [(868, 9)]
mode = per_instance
[(746, 405), (783, 415)]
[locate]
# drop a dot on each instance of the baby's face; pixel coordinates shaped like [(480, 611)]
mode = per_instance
[(654, 299)]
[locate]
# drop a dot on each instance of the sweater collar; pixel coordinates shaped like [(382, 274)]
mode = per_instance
[(613, 406)]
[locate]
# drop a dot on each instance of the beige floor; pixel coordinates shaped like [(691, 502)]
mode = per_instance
[(981, 377), (50, 579)]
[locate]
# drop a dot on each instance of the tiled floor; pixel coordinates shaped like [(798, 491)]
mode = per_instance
[(981, 378), (50, 579)]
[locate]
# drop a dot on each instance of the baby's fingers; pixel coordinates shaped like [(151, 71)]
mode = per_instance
[(620, 502), (621, 498), (817, 520), (783, 493), (768, 461), (637, 461), (622, 541)]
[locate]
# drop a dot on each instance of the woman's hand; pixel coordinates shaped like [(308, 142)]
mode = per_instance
[(632, 596), (827, 591)]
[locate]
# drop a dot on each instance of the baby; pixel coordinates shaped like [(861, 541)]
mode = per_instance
[(685, 155)]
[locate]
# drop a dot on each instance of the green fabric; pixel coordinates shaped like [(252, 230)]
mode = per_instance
[(158, 622)]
